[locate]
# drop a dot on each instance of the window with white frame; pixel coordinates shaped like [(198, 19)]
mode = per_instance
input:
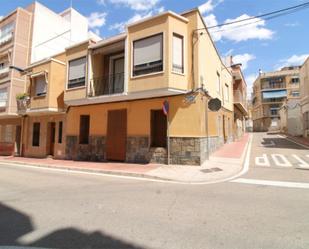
[(77, 73), (227, 93), (218, 84), (3, 97), (40, 85), (178, 58), (148, 55)]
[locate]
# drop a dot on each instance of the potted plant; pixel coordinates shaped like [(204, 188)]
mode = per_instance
[(22, 100)]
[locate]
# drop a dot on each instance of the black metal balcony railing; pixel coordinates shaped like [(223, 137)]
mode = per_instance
[(273, 86), (111, 84), (273, 100)]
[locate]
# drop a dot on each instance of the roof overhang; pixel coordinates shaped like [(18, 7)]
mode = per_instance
[(40, 111), (163, 92), (242, 108)]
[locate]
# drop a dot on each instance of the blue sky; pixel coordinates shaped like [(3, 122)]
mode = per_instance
[(265, 45)]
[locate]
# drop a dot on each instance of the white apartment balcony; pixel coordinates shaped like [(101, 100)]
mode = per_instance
[(241, 101), (6, 38), (5, 70)]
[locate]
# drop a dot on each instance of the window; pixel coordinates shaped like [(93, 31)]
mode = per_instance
[(40, 85), (295, 80), (295, 93), (148, 55), (158, 129), (36, 134), (2, 65), (218, 85), (3, 97), (227, 93), (177, 53), (84, 129), (60, 132), (77, 73)]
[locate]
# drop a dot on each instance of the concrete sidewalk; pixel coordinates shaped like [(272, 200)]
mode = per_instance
[(225, 163)]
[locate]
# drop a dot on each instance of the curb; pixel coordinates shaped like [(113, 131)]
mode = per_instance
[(137, 176)]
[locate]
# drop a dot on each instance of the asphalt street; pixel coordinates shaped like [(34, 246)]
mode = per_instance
[(42, 208)]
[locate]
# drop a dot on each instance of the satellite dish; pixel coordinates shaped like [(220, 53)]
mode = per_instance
[(214, 104)]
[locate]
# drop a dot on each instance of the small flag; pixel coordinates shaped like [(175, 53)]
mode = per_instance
[(166, 107)]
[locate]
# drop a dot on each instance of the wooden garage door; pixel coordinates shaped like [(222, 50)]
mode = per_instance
[(116, 135)]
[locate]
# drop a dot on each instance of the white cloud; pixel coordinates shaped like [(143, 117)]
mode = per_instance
[(243, 59), (253, 29), (294, 60), (250, 80), (210, 21), (97, 19), (139, 5), (209, 6), (120, 26)]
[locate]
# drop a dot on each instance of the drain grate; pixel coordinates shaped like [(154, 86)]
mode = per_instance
[(211, 170)]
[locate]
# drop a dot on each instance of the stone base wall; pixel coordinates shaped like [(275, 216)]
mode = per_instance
[(94, 151), (137, 149), (183, 151), (193, 151)]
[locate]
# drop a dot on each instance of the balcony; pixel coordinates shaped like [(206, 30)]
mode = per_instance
[(240, 100), (6, 38), (107, 85), (4, 72), (22, 104), (268, 86)]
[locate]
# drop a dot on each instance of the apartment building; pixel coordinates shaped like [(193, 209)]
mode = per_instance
[(304, 92), (240, 100), (142, 96), (27, 36), (270, 91), (15, 37)]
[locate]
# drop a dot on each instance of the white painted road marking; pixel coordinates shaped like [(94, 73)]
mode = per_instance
[(284, 162), (281, 161), (300, 185), (302, 163), (262, 161)]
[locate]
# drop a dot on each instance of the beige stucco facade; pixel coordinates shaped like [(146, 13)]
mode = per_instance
[(190, 123), (284, 86), (47, 110)]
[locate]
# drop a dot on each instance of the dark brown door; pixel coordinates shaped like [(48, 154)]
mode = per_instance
[(116, 135), (158, 129), (18, 139), (51, 138)]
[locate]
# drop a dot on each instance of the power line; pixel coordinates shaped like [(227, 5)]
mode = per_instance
[(273, 13), (260, 20)]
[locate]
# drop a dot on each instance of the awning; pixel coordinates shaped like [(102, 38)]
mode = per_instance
[(275, 94)]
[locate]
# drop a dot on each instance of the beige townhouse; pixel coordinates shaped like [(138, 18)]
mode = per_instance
[(142, 96)]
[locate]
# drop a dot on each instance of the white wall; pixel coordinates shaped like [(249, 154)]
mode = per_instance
[(53, 32)]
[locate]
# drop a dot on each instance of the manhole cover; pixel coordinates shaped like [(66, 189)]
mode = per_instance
[(211, 170)]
